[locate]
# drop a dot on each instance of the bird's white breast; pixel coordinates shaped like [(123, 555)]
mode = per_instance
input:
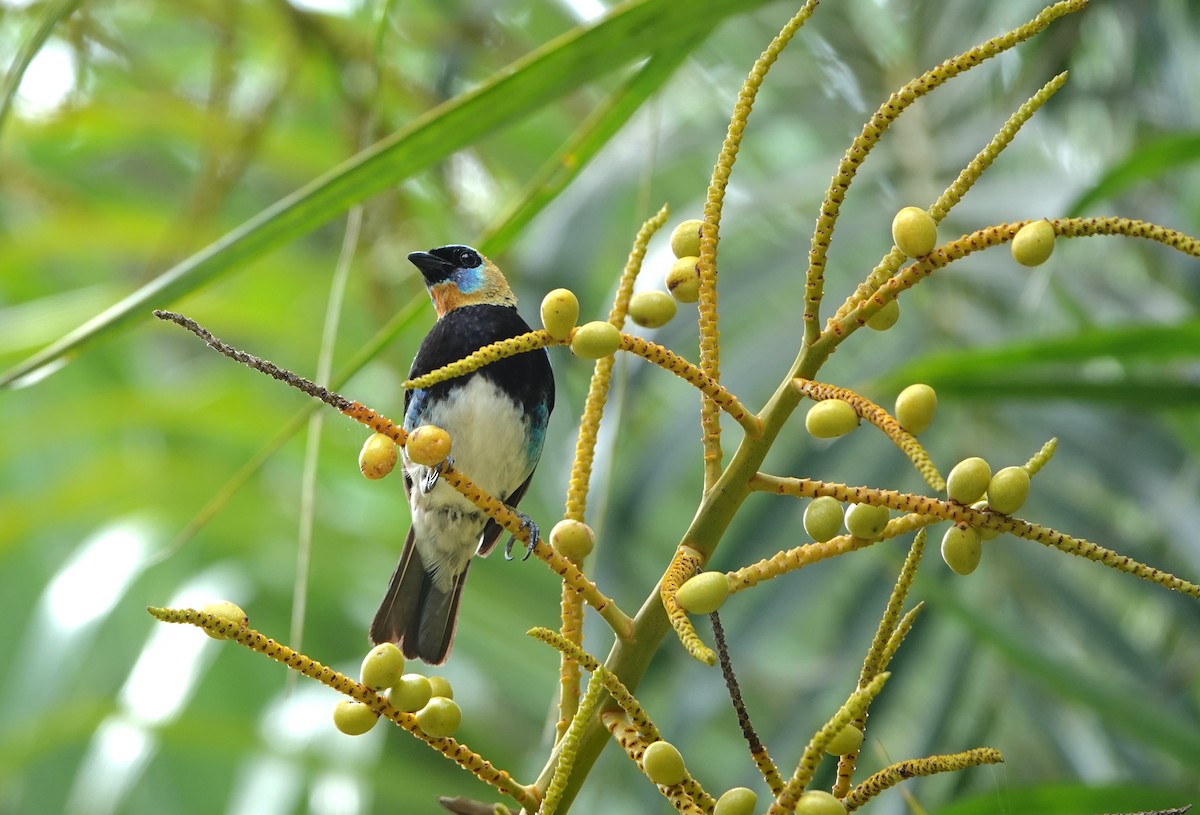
[(489, 446)]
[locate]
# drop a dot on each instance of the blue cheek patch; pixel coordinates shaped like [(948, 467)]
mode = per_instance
[(469, 281)]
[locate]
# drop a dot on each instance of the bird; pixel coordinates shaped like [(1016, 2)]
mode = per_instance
[(496, 417)]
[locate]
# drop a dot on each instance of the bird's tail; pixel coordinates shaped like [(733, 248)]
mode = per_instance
[(415, 614)]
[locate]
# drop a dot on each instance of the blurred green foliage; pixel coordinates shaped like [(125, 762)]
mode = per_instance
[(185, 122)]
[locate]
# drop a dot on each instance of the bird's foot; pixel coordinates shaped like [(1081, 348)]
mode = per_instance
[(534, 537), (435, 472)]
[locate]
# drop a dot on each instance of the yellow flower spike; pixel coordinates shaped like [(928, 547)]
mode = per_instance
[(616, 689), (687, 562), (521, 344), (874, 129), (874, 663), (709, 234), (873, 413), (785, 802), (581, 467), (902, 628), (954, 193), (1041, 458), (930, 765), (570, 743), (460, 754)]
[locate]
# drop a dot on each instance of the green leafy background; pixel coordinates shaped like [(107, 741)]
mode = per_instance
[(206, 159)]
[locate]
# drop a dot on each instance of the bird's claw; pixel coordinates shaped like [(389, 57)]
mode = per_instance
[(435, 472), (535, 536)]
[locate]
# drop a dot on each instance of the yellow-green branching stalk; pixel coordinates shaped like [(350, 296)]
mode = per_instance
[(914, 768)]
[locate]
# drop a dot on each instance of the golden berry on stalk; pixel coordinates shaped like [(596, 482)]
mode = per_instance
[(560, 312), (683, 280), (440, 718), (968, 480), (378, 456), (226, 611), (382, 667), (886, 317), (572, 539), (830, 418), (823, 518), (596, 340), (819, 802), (914, 232), (736, 801), (411, 693), (1008, 489), (703, 593), (353, 718), (652, 309), (1033, 243), (962, 548), (685, 239), (440, 686), (866, 521), (847, 740), (915, 408), (427, 445), (663, 764)]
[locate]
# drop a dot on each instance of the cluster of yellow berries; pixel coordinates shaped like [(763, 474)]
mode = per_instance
[(427, 445), (430, 697), (972, 482)]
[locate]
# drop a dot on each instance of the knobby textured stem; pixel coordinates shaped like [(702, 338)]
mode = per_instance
[(894, 259), (874, 129), (930, 765), (710, 233)]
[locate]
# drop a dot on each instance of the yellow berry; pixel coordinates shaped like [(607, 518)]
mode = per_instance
[(866, 521), (377, 457), (572, 539), (560, 312), (704, 593), (830, 418), (736, 801), (382, 667), (652, 309), (595, 340), (353, 718), (663, 764), (847, 740), (886, 317), (440, 686), (427, 445), (683, 281), (229, 612), (819, 802), (823, 518), (411, 693), (915, 408), (962, 548), (1033, 243), (685, 239), (968, 480), (1008, 489), (440, 718), (914, 232)]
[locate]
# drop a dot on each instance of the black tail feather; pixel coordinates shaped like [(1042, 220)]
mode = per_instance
[(415, 614)]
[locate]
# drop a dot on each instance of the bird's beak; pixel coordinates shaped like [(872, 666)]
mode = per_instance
[(433, 268)]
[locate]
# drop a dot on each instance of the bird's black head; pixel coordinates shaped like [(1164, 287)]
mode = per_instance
[(441, 265), (458, 276)]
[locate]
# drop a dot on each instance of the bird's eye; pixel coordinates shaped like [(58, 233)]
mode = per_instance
[(468, 259)]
